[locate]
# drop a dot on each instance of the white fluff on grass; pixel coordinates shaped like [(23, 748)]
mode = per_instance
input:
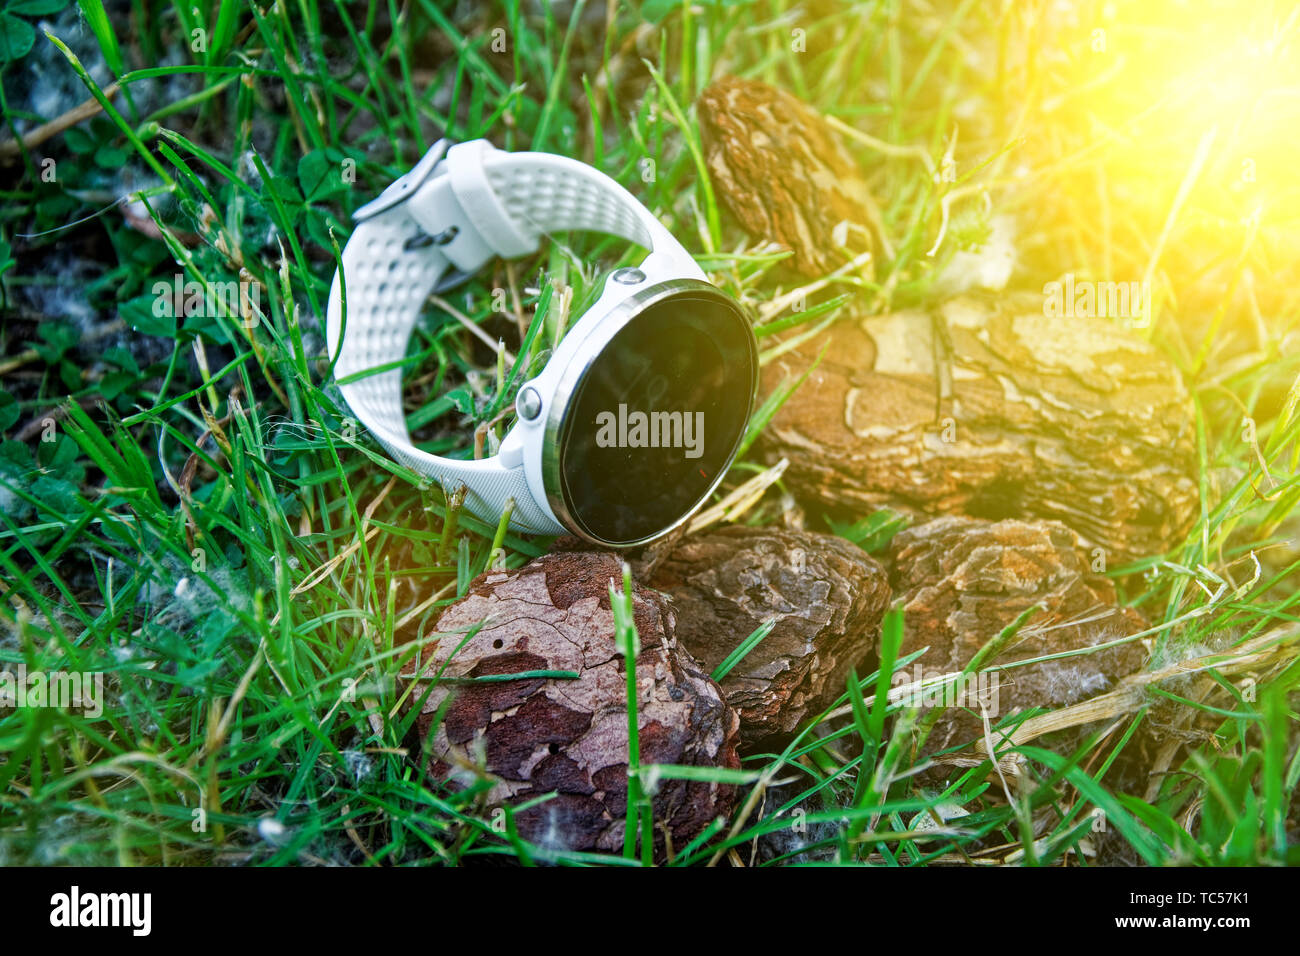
[(46, 84), (180, 599), (988, 268), (359, 764), (49, 87), (64, 299)]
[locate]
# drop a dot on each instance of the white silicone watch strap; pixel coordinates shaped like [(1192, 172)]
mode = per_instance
[(476, 203)]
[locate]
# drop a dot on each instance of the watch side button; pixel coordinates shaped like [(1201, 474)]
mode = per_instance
[(629, 276), (528, 403)]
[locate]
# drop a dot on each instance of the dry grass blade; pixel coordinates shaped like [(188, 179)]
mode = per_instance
[(1270, 648), (9, 149)]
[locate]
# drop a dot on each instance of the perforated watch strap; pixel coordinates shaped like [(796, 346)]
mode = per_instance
[(475, 204), (388, 277), (547, 193)]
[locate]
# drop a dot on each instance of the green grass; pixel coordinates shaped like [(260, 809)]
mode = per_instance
[(189, 510)]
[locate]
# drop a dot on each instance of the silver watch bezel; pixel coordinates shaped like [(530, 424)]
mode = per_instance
[(590, 349)]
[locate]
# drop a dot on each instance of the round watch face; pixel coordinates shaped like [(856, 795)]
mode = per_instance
[(657, 416)]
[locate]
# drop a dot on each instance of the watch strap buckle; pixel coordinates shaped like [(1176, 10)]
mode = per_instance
[(405, 186)]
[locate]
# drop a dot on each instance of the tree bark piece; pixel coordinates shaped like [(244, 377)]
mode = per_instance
[(540, 734), (994, 410), (779, 169), (963, 580), (826, 595)]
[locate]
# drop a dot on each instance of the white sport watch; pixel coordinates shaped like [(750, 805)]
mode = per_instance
[(639, 412)]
